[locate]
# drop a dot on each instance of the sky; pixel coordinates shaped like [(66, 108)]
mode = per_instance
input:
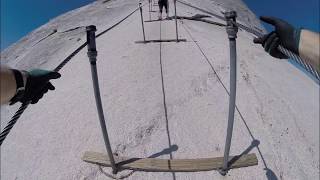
[(299, 13), (19, 17)]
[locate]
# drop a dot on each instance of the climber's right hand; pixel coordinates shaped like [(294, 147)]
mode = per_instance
[(284, 34)]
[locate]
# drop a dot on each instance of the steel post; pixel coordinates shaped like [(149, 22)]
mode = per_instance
[(150, 10), (92, 54), (144, 36), (175, 16), (232, 30)]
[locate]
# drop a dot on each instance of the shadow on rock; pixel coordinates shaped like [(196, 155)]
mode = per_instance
[(270, 174), (168, 150), (254, 143)]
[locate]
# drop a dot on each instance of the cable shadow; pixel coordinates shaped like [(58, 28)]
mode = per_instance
[(168, 150), (165, 104), (269, 173)]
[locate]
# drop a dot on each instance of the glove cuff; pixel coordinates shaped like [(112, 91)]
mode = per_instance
[(20, 85), (296, 37)]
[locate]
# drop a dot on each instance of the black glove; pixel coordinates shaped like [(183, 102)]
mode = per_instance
[(36, 86), (284, 34)]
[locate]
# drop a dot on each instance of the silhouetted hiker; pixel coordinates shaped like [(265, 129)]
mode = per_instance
[(24, 86), (300, 41), (163, 4)]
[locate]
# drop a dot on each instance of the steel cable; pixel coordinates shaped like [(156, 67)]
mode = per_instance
[(24, 106), (305, 65)]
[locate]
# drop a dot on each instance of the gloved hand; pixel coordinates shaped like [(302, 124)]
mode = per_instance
[(37, 85), (284, 34)]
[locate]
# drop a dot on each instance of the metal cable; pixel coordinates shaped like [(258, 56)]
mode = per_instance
[(12, 122), (24, 106), (286, 52), (305, 65)]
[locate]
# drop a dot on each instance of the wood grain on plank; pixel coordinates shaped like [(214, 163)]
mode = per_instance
[(170, 165)]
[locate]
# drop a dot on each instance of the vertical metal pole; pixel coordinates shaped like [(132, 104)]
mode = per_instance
[(175, 16), (144, 36), (92, 54), (232, 30), (150, 10)]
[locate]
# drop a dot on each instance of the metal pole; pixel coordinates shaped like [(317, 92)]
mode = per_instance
[(175, 16), (150, 10), (92, 54), (232, 30), (144, 36)]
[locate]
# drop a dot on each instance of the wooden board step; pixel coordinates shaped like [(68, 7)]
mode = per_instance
[(160, 40), (156, 20), (170, 165)]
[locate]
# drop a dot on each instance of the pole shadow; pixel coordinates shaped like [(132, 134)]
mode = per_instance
[(254, 143), (165, 151), (269, 173)]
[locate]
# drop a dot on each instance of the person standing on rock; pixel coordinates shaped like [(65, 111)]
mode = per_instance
[(300, 41), (163, 4), (25, 86)]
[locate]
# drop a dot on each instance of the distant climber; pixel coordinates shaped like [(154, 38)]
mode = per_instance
[(24, 86), (163, 4), (300, 41)]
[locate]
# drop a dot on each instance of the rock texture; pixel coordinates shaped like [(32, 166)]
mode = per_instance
[(164, 100)]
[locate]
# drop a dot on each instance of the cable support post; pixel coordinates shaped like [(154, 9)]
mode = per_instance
[(175, 17), (149, 10), (232, 30), (92, 54), (24, 106), (151, 4), (140, 7)]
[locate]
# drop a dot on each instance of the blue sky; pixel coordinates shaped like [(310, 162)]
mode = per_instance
[(19, 17)]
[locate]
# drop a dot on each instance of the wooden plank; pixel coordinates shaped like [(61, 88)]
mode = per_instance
[(156, 20), (170, 165), (160, 40)]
